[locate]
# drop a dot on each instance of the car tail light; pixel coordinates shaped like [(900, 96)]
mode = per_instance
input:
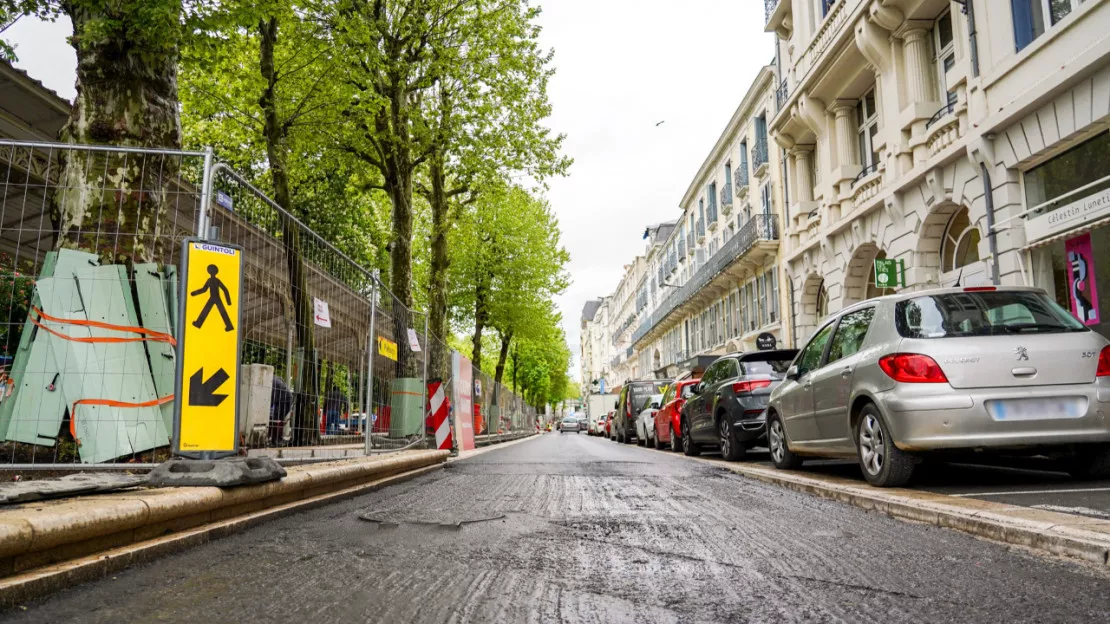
[(912, 368), (980, 289), (746, 387), (1103, 363)]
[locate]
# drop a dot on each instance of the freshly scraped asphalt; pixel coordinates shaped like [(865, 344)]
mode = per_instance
[(570, 528)]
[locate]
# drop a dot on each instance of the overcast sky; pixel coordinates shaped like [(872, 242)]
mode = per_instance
[(622, 67)]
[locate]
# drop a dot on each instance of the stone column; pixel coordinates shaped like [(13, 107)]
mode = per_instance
[(800, 156), (919, 80), (846, 148)]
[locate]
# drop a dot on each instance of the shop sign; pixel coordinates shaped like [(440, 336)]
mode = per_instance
[(1082, 292), (765, 341), (1069, 216), (890, 273)]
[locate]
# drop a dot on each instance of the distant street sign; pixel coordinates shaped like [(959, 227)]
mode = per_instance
[(206, 411), (388, 348)]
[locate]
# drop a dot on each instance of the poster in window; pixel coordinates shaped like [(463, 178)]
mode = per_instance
[(1082, 292)]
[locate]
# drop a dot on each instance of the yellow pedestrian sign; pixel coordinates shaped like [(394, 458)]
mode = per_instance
[(208, 354)]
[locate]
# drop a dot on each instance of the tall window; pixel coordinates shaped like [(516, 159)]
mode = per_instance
[(868, 119), (728, 176), (726, 304), (712, 192), (945, 46), (960, 246), (1032, 17), (826, 6), (765, 198), (774, 294), (822, 301), (744, 160)]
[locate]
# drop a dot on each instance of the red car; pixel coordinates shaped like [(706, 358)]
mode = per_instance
[(668, 423), (609, 425)]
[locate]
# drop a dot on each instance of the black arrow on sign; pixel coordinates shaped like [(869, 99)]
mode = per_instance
[(203, 393)]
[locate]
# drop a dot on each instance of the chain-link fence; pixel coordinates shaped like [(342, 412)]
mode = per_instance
[(90, 239)]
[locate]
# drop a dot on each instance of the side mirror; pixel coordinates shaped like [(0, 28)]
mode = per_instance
[(655, 405), (698, 389), (617, 404), (792, 373)]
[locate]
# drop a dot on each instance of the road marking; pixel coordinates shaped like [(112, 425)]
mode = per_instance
[(1068, 491), (1083, 511)]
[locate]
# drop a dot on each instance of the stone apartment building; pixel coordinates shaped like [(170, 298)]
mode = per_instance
[(967, 140)]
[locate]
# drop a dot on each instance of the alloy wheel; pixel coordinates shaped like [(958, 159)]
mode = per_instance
[(777, 441), (675, 440), (872, 444), (726, 438)]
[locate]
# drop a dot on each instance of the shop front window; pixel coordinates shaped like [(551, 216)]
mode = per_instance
[(1082, 170), (1075, 270)]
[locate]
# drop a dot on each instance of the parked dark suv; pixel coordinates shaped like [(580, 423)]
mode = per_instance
[(728, 405), (634, 397)]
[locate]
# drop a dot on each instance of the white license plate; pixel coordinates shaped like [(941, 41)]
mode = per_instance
[(1037, 409)]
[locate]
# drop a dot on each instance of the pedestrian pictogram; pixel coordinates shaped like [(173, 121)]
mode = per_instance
[(214, 288), (207, 411)]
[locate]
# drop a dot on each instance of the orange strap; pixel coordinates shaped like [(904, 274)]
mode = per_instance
[(145, 334), (109, 403)]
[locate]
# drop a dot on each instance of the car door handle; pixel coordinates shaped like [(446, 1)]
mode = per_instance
[(847, 372), (808, 384)]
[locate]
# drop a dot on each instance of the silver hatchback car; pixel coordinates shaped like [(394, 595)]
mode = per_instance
[(984, 368)]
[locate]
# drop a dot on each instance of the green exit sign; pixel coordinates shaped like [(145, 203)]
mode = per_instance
[(890, 273)]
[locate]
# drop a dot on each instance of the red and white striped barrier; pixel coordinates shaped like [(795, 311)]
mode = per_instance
[(440, 423)]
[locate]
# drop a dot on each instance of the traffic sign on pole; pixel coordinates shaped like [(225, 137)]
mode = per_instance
[(206, 415)]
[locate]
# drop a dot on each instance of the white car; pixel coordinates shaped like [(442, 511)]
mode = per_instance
[(570, 423), (645, 422)]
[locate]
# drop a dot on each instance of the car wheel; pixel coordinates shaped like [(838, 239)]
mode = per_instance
[(731, 450), (627, 436), (883, 464), (781, 456), (1090, 463), (658, 444), (688, 447), (676, 440)]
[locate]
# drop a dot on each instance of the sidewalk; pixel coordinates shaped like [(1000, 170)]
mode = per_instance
[(60, 541)]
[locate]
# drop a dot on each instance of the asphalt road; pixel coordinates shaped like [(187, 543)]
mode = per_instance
[(570, 528)]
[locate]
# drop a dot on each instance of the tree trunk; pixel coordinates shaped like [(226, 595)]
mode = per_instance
[(437, 283), (502, 357), (516, 388), (307, 383), (481, 317), (115, 204)]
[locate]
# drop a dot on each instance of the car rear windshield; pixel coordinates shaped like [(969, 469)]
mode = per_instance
[(774, 363), (982, 313), (642, 393)]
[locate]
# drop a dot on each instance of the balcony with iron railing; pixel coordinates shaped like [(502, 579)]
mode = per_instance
[(782, 93), (726, 200), (711, 215), (682, 250), (690, 245), (741, 178), (761, 228), (701, 231), (769, 7), (760, 157)]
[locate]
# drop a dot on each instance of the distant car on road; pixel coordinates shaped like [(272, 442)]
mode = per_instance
[(635, 396), (569, 423), (956, 369), (728, 403), (645, 422), (599, 425), (668, 419)]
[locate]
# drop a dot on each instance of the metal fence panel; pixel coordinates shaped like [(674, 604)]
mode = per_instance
[(90, 237)]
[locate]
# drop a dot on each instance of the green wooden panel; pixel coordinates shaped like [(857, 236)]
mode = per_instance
[(406, 408), (116, 371), (151, 292), (33, 414)]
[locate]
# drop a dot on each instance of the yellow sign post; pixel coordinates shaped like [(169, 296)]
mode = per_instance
[(208, 351)]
